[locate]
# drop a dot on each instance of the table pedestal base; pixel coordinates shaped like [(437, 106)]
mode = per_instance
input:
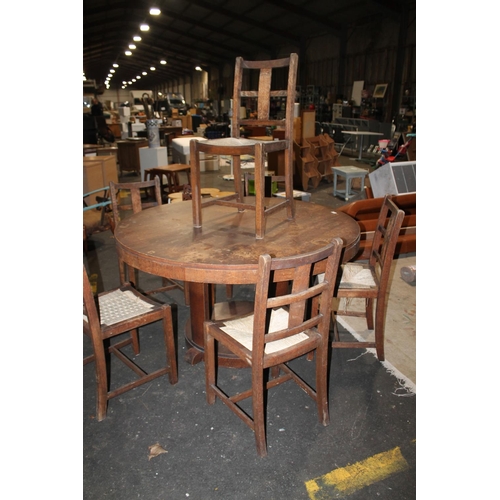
[(220, 311)]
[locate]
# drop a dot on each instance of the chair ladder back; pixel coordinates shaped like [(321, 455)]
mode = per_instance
[(301, 315), (386, 233), (264, 93), (263, 104)]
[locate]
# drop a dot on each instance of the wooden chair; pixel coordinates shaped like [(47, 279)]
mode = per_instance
[(236, 147), (370, 280), (132, 197), (119, 311), (283, 327)]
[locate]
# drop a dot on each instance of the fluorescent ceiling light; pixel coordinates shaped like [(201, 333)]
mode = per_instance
[(154, 11), (144, 27)]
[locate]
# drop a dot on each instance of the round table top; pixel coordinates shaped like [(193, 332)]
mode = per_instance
[(162, 240)]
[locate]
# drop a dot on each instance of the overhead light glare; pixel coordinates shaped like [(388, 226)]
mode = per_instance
[(163, 61), (128, 53), (197, 68), (144, 27), (132, 46), (137, 38), (154, 11), (115, 65), (152, 68), (144, 73)]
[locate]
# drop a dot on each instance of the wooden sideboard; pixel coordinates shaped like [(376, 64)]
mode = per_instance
[(128, 154)]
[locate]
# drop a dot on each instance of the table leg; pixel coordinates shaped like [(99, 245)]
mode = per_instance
[(199, 309), (360, 157), (202, 307)]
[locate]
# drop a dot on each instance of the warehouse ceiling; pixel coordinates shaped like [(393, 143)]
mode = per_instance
[(208, 33)]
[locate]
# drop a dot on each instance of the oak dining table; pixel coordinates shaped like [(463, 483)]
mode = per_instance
[(163, 241)]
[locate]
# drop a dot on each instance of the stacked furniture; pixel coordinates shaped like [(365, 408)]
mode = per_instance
[(314, 160)]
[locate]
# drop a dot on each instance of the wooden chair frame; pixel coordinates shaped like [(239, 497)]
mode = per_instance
[(308, 314), (379, 263), (136, 190), (100, 335), (236, 147)]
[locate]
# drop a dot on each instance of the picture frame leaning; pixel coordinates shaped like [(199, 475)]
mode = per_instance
[(380, 90)]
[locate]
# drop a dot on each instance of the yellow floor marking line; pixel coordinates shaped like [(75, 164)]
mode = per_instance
[(342, 482)]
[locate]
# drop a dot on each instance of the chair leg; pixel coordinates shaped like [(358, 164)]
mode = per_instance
[(168, 333), (258, 412), (134, 334), (209, 357), (369, 313), (380, 329), (321, 384), (101, 361)]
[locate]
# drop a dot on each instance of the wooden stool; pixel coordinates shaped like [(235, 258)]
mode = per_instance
[(171, 172)]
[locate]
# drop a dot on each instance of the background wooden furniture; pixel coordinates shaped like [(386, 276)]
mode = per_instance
[(236, 147), (116, 129), (163, 242), (128, 154), (370, 281), (299, 324), (306, 165), (98, 171), (171, 173), (120, 311)]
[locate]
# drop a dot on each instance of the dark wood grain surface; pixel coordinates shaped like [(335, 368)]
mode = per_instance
[(163, 241)]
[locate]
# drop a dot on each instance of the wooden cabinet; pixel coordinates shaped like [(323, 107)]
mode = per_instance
[(116, 129), (97, 172), (128, 154)]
